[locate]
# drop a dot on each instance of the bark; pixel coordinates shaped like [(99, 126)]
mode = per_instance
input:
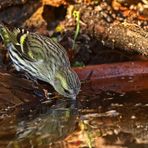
[(15, 91), (125, 36)]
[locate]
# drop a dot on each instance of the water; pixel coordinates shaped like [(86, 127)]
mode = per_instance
[(110, 113)]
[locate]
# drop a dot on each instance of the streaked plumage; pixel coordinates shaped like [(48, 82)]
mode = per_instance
[(42, 58)]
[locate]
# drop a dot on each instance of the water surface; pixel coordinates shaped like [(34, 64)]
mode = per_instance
[(110, 113)]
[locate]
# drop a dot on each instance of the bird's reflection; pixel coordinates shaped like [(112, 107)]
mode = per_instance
[(45, 123)]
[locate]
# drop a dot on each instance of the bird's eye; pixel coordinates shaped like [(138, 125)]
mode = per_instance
[(66, 91)]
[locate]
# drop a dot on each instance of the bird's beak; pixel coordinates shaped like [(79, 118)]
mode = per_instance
[(73, 97)]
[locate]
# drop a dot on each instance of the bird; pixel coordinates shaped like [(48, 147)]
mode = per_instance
[(42, 58)]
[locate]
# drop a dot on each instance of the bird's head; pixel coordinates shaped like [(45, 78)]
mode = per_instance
[(67, 83)]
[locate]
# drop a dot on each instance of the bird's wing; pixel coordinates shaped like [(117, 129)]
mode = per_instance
[(35, 48), (18, 38), (29, 48)]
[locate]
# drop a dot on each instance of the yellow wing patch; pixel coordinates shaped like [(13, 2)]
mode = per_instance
[(22, 40)]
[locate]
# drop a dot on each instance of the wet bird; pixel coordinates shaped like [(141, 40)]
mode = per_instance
[(42, 58)]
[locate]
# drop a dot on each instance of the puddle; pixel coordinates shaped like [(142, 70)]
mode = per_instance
[(110, 113)]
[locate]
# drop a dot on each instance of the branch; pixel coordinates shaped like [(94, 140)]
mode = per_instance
[(125, 36)]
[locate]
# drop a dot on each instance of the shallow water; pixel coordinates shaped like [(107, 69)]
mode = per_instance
[(110, 113)]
